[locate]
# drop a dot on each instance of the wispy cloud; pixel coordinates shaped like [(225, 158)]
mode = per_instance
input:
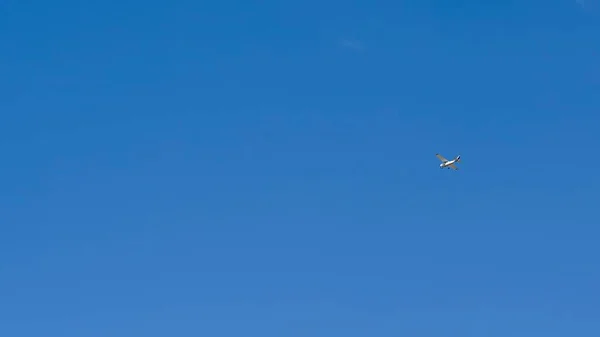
[(351, 44)]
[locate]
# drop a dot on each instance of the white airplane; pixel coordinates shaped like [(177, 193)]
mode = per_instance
[(448, 163)]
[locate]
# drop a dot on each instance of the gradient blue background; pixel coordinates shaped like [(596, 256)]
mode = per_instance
[(238, 168)]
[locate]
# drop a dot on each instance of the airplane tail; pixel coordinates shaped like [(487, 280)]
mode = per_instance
[(457, 158)]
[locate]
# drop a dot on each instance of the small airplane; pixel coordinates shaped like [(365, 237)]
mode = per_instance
[(448, 163)]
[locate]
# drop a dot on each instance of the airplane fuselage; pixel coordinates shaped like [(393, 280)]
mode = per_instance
[(448, 163)]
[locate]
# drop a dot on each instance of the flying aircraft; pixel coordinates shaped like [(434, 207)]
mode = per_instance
[(448, 163)]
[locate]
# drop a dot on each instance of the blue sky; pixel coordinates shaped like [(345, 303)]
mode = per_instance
[(231, 168)]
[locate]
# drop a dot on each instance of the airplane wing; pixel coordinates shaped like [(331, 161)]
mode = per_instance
[(440, 157), (453, 167)]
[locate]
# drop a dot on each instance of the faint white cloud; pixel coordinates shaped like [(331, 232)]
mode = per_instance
[(351, 44)]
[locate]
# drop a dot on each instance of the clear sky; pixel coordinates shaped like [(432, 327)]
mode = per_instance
[(238, 168)]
